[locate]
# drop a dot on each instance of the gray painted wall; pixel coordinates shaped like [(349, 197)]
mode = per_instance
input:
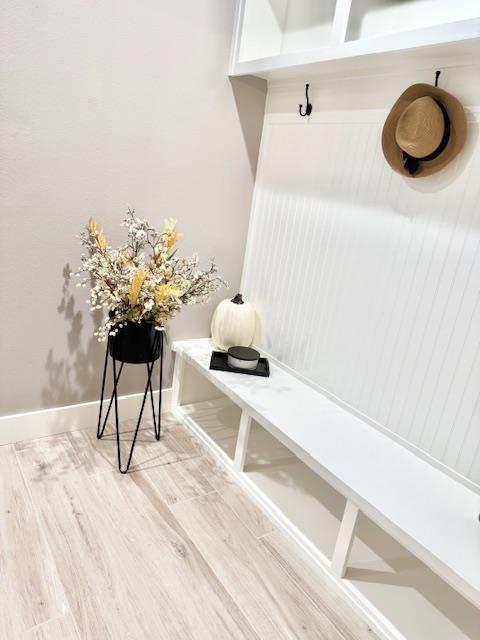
[(107, 105)]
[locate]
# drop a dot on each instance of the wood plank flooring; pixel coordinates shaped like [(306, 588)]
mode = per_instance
[(174, 550)]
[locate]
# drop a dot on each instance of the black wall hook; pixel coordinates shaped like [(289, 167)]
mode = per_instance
[(308, 107), (437, 73)]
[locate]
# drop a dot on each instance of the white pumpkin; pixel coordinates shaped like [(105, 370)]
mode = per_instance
[(233, 323)]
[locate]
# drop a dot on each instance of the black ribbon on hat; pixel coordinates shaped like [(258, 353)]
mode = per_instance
[(412, 164)]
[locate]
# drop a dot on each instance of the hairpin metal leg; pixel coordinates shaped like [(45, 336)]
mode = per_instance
[(139, 420), (156, 426), (157, 419), (105, 367), (114, 401), (157, 434), (101, 429)]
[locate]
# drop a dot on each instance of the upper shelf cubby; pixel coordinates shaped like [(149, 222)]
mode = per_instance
[(374, 18), (272, 27), (275, 38)]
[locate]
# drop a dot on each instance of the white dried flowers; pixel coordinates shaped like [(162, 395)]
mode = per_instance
[(135, 286)]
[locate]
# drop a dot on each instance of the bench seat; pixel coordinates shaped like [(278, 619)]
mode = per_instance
[(434, 516)]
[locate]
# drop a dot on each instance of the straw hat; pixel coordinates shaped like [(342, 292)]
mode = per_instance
[(424, 131)]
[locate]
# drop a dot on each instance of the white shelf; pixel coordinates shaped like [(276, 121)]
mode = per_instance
[(413, 502), (405, 593), (356, 38)]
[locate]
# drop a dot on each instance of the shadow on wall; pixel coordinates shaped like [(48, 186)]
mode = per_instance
[(250, 94), (69, 381), (78, 378)]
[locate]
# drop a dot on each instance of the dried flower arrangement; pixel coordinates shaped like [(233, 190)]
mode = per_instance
[(136, 286)]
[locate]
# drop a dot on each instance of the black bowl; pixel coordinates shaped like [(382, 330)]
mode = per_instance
[(136, 343)]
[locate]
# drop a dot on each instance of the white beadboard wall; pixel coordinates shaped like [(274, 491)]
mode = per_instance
[(367, 283)]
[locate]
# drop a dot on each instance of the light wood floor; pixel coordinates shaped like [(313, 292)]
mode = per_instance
[(171, 551)]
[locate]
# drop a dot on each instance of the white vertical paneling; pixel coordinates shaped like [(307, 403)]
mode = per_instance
[(367, 284)]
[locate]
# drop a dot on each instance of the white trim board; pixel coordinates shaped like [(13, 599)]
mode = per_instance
[(48, 422)]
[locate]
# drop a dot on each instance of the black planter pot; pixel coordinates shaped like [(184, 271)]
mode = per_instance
[(135, 343)]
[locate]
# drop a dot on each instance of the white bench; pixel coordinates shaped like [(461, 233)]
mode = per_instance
[(432, 515)]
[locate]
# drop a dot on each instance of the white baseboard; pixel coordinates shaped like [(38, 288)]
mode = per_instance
[(47, 422)]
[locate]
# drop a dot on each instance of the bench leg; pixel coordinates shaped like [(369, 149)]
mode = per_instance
[(344, 540), (178, 375), (242, 441)]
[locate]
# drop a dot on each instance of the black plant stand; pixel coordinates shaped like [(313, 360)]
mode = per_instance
[(156, 352)]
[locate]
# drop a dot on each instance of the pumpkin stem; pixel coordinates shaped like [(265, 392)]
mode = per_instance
[(237, 299)]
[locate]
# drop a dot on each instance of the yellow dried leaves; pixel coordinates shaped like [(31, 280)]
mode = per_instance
[(137, 281), (171, 233), (92, 226), (164, 291), (98, 235), (102, 243)]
